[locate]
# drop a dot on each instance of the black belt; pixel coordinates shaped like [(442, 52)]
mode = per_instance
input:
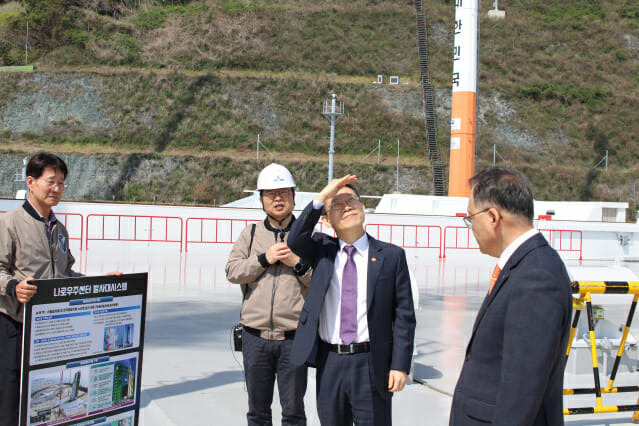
[(288, 335), (353, 348)]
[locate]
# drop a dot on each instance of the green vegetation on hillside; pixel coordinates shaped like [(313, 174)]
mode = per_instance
[(216, 181), (211, 75), (158, 111)]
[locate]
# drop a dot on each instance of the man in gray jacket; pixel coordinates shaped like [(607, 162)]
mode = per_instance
[(33, 245), (274, 286)]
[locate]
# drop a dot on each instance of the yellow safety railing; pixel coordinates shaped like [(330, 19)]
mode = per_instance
[(585, 289)]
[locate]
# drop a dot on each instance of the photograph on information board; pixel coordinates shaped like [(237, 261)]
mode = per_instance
[(82, 351)]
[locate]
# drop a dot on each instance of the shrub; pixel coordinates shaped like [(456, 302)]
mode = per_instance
[(630, 10), (565, 93), (234, 7), (154, 18), (30, 135), (128, 48)]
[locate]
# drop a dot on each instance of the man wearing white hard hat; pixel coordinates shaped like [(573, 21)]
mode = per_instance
[(274, 286)]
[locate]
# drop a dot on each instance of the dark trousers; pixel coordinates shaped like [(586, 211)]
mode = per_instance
[(346, 393), (265, 360), (10, 353)]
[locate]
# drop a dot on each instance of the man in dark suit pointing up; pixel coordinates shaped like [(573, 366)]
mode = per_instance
[(514, 366), (358, 323)]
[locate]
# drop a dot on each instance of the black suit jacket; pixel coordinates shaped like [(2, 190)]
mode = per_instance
[(391, 316), (514, 367)]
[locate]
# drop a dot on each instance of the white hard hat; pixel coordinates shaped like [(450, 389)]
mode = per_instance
[(275, 176)]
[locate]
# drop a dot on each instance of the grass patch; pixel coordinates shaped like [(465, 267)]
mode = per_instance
[(7, 17), (236, 7), (564, 93), (150, 20)]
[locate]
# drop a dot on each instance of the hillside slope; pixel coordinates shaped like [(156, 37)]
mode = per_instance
[(559, 82)]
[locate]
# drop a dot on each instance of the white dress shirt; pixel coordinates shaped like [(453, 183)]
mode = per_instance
[(505, 255), (330, 318)]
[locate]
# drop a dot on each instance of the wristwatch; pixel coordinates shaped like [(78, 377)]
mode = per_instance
[(300, 268)]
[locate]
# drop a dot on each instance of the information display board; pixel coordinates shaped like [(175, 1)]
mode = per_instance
[(82, 351)]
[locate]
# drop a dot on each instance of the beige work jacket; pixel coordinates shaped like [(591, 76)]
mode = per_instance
[(25, 250), (274, 295)]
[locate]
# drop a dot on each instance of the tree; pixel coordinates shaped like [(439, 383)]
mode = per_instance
[(49, 20)]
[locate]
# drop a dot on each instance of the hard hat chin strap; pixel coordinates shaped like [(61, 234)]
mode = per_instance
[(279, 222), (279, 231)]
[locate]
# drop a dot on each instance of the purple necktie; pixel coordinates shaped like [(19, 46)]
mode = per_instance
[(348, 304)]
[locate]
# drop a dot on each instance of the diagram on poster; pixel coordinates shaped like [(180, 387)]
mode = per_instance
[(121, 419), (81, 389), (82, 351), (84, 327)]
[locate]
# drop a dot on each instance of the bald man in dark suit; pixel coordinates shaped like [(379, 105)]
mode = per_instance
[(514, 365)]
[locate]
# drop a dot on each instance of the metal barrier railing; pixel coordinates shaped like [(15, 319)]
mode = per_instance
[(229, 238), (132, 234), (569, 247), (573, 245), (463, 244), (411, 236), (64, 218), (420, 235), (224, 231), (585, 289)]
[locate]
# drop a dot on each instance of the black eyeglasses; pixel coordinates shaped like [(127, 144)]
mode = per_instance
[(340, 205), (468, 220), (272, 194)]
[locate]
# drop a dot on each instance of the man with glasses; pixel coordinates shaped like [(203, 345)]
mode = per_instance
[(514, 365), (358, 323), (274, 285), (33, 245)]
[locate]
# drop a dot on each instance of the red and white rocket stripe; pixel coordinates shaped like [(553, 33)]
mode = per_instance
[(464, 105)]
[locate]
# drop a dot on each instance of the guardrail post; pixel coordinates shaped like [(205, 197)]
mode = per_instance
[(622, 343), (577, 306), (585, 289), (593, 349)]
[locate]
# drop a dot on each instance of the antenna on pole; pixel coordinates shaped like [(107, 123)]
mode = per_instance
[(333, 111)]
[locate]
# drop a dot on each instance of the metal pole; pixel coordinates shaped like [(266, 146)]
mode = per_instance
[(379, 149), (606, 160), (331, 149), (26, 47), (258, 146), (397, 165), (496, 4), (494, 150), (335, 113)]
